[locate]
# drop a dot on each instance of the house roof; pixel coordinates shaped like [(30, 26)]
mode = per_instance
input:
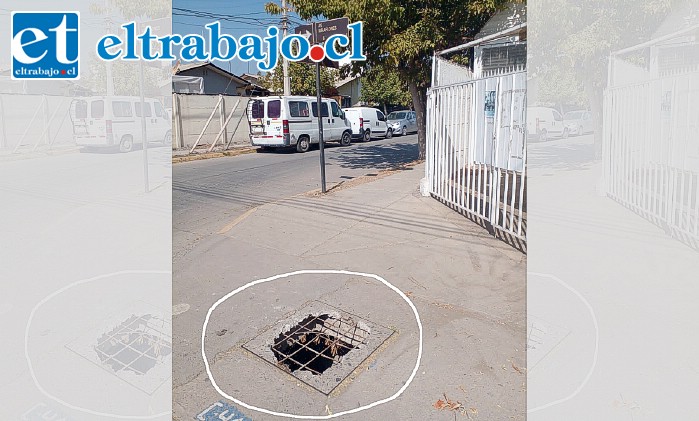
[(346, 80), (512, 15), (180, 68)]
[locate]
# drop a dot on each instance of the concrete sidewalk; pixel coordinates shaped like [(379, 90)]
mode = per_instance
[(468, 288)]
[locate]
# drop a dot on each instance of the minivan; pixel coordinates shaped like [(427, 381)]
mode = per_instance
[(115, 121), (544, 122), (367, 122), (280, 121)]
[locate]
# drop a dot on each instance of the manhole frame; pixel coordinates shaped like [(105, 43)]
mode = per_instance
[(378, 336)]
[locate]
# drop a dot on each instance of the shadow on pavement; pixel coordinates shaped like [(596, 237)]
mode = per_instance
[(377, 156), (573, 155)]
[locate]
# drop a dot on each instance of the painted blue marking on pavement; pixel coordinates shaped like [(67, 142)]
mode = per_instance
[(221, 411)]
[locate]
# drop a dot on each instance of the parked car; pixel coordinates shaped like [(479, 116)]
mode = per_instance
[(281, 121), (544, 123), (367, 122), (577, 123), (115, 121), (402, 122)]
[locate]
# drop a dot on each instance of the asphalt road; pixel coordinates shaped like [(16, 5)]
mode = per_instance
[(209, 194)]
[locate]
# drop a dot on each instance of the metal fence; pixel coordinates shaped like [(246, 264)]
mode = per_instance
[(651, 151), (476, 150), (48, 127), (209, 121)]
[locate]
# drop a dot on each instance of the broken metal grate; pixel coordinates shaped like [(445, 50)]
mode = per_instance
[(319, 344), (136, 345)]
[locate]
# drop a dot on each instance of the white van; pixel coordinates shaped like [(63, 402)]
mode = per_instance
[(544, 123), (279, 121), (115, 121), (367, 122)]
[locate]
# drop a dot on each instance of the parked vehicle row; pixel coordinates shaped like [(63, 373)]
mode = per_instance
[(280, 121), (292, 121), (115, 121), (544, 123)]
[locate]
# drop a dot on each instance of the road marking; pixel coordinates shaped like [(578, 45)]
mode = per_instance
[(311, 417), (237, 220)]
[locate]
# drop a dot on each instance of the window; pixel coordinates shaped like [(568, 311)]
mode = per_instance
[(274, 109), (80, 109), (121, 109), (323, 109), (298, 109), (97, 109), (380, 116), (557, 116), (257, 109), (147, 112), (158, 109), (337, 112)]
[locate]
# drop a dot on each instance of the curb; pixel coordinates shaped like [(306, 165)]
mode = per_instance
[(209, 155)]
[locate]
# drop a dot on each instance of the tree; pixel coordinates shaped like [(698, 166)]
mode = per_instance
[(303, 80), (125, 78), (573, 40), (383, 87), (404, 34), (125, 74)]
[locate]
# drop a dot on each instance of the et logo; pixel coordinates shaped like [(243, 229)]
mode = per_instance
[(45, 45)]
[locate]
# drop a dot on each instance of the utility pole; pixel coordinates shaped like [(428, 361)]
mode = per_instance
[(285, 62), (108, 64)]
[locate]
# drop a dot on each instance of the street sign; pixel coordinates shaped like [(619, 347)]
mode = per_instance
[(317, 33), (328, 28), (306, 31)]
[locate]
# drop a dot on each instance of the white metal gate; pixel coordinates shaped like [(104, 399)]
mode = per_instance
[(476, 149), (651, 151)]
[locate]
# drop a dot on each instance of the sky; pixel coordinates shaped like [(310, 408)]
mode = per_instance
[(237, 17)]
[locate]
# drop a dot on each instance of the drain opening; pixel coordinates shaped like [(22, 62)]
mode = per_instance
[(317, 342), (136, 345)]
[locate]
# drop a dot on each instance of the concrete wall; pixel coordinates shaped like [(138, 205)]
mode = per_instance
[(190, 112), (214, 82), (352, 89), (42, 130)]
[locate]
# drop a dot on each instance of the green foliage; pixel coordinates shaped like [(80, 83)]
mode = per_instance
[(130, 9), (403, 34), (303, 80), (572, 41), (383, 87), (125, 77)]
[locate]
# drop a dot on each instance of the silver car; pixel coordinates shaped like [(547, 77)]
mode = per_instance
[(402, 122)]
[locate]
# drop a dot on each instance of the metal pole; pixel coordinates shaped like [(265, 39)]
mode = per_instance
[(320, 130), (144, 135), (3, 133), (285, 62)]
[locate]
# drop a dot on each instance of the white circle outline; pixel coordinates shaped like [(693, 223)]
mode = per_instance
[(311, 417), (594, 358), (29, 361)]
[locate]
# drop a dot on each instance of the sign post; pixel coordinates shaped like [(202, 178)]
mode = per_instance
[(318, 33), (321, 144)]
